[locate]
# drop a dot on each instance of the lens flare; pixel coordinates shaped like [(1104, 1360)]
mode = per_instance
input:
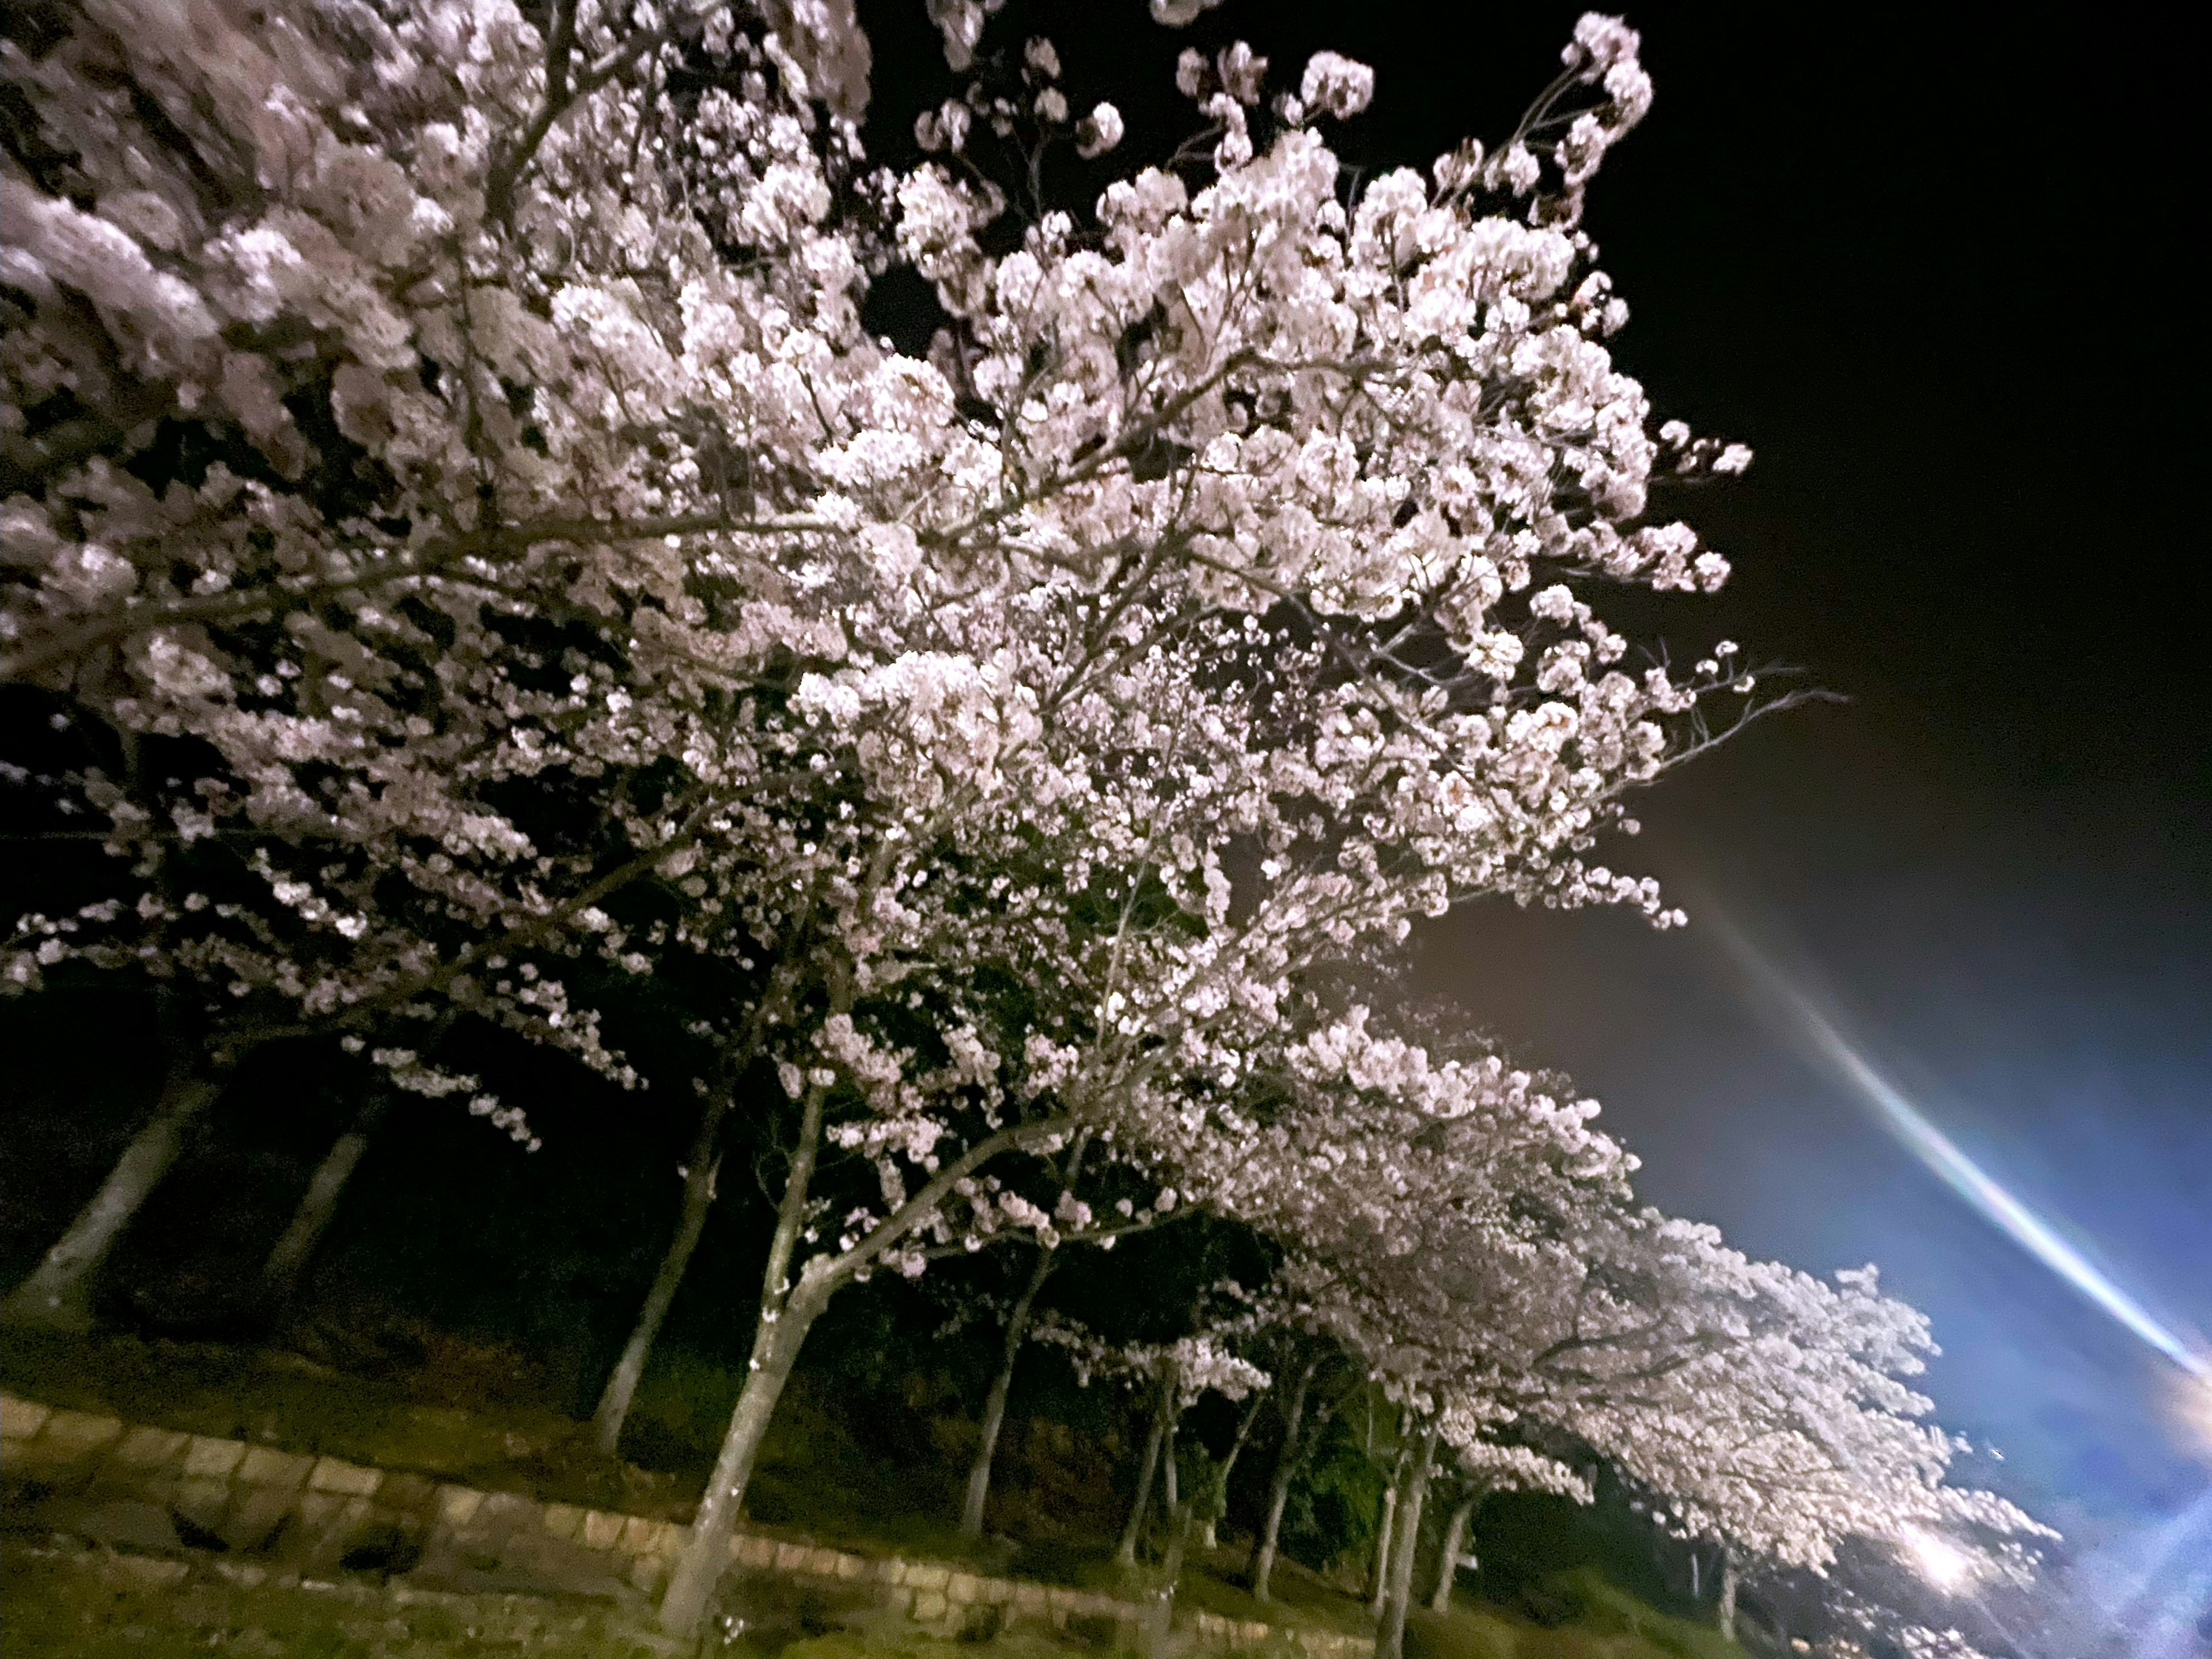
[(1940, 1562), (2192, 1409), (1937, 1150)]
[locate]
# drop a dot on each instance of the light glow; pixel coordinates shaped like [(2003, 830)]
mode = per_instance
[(2192, 1409), (1941, 1563), (1937, 1150)]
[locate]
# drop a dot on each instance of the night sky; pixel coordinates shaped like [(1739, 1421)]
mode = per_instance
[(1936, 276), (1934, 271), (1917, 269)]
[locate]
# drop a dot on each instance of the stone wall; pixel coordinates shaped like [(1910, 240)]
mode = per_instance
[(158, 1489)]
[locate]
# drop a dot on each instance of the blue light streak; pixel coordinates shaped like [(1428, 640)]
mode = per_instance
[(1941, 1155)]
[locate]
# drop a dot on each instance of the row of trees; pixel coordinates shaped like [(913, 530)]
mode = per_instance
[(473, 562)]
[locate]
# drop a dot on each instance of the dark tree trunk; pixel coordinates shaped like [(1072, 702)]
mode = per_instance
[(1179, 1525), (288, 1260), (615, 1400), (1293, 1457), (1216, 1503), (1125, 1552), (1378, 1578), (699, 1172), (58, 1294), (995, 1407)]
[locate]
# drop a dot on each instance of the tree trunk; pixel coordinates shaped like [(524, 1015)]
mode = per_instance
[(775, 1348), (995, 1407), (613, 1409), (1170, 1472), (786, 1312), (1018, 1328), (1378, 1583), (280, 1274), (1125, 1552), (58, 1294), (1217, 1503), (1287, 1465), (699, 1172), (1728, 1595), (1455, 1541), (1161, 1635), (1390, 1638)]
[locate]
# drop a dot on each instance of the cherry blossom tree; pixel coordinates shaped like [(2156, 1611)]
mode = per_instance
[(1785, 1426), (1171, 1377), (336, 520), (456, 512), (1461, 1227), (1374, 758)]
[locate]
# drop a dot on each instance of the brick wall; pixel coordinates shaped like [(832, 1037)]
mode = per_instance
[(322, 1513)]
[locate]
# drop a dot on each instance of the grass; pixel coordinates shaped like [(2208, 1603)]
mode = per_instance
[(1606, 1623), (815, 1480), (87, 1607), (508, 1439), (83, 1605)]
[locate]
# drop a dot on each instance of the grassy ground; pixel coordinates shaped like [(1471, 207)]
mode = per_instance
[(1607, 1624), (507, 1439), (814, 1481), (86, 1605)]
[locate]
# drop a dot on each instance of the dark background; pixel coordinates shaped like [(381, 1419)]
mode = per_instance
[(1932, 265)]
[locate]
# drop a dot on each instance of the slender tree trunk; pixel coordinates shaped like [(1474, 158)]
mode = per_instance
[(1125, 1552), (1728, 1595), (1017, 1330), (699, 1173), (1160, 1641), (1379, 1578), (1390, 1639), (1170, 1470), (280, 1274), (1455, 1541), (1378, 1583), (1217, 1501), (1294, 1455), (787, 1311), (995, 1407), (58, 1294), (775, 1348), (1179, 1525)]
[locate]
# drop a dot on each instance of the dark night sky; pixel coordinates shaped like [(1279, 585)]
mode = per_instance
[(1918, 268), (1933, 269)]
